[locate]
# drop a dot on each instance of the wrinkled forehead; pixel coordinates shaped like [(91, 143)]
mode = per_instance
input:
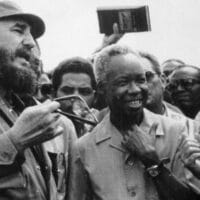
[(128, 62), (186, 72)]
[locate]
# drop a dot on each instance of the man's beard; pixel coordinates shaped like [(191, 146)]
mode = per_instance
[(14, 77)]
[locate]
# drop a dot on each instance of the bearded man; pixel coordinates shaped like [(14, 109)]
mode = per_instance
[(25, 170)]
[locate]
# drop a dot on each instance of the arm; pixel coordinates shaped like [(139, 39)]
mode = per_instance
[(190, 154), (169, 187), (143, 145), (34, 126), (110, 39)]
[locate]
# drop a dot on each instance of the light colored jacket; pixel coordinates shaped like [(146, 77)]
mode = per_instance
[(103, 169)]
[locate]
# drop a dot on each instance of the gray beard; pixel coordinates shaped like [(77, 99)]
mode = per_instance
[(20, 80)]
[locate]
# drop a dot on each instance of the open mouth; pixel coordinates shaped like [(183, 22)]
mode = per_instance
[(23, 56), (135, 103), (23, 61)]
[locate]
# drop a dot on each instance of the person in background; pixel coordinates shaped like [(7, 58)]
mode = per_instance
[(184, 86), (75, 76), (156, 85), (124, 155), (45, 89), (190, 148), (59, 148), (170, 65)]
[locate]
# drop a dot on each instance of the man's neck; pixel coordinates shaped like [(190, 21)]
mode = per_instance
[(191, 113), (124, 122)]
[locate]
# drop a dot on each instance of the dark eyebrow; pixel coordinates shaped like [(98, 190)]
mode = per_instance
[(21, 25)]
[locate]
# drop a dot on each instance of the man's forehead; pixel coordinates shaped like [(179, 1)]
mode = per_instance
[(121, 62), (73, 78), (14, 22), (186, 71)]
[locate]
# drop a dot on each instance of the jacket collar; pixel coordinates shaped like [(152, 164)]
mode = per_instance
[(109, 132)]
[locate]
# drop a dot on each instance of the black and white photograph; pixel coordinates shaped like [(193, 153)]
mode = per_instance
[(99, 100)]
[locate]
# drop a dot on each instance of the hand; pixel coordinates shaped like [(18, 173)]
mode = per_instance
[(36, 125), (142, 144), (113, 38), (190, 154)]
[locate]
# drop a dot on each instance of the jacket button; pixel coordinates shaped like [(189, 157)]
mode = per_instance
[(131, 191)]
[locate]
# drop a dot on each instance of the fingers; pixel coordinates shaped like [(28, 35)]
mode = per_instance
[(186, 143), (128, 144), (191, 151), (47, 120), (51, 131), (197, 137), (115, 28), (191, 160), (50, 106)]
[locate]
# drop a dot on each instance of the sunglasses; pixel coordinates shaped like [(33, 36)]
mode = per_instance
[(45, 88), (186, 84)]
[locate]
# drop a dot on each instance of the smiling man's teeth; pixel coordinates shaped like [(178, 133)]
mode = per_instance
[(135, 103)]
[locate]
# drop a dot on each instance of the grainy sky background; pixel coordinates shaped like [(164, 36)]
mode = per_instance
[(72, 28)]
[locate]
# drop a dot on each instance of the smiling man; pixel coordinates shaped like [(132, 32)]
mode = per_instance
[(184, 85), (123, 157)]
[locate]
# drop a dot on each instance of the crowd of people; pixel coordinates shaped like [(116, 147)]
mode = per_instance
[(117, 125)]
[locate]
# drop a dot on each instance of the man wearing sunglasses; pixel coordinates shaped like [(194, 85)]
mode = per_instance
[(184, 85), (44, 90)]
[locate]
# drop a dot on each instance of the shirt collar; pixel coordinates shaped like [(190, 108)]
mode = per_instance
[(108, 130)]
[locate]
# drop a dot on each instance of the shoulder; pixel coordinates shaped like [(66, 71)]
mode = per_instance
[(89, 140), (166, 123), (172, 107)]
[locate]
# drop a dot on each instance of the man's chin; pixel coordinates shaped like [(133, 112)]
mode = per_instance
[(134, 111)]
